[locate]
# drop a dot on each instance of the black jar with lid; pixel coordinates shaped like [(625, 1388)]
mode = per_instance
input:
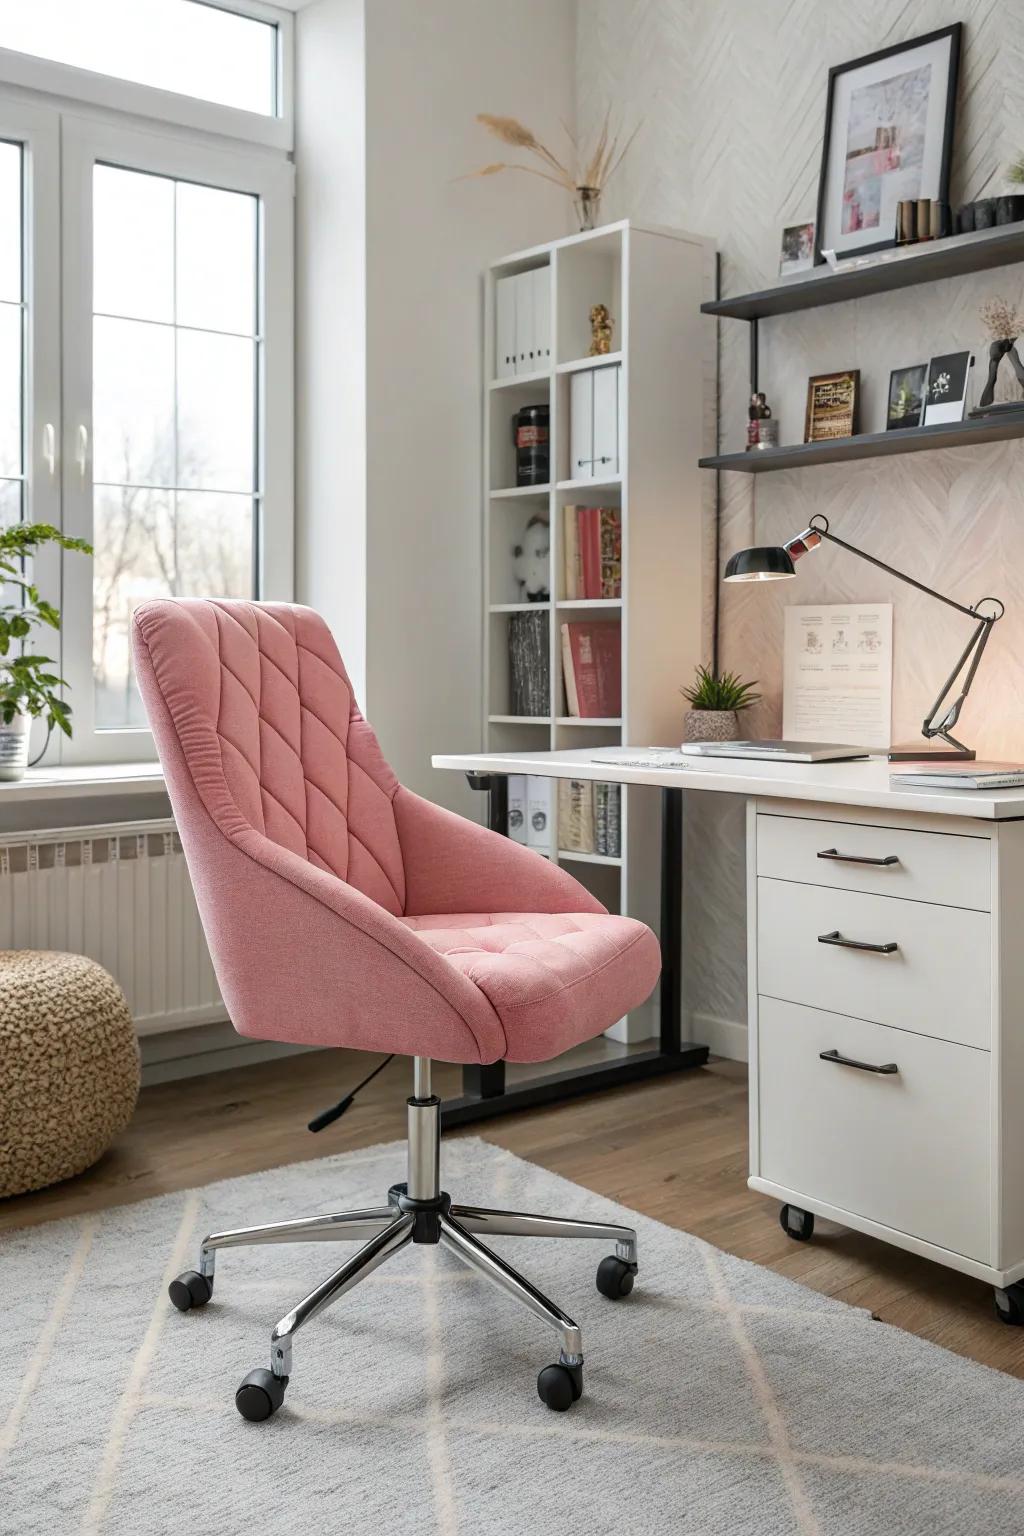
[(530, 434)]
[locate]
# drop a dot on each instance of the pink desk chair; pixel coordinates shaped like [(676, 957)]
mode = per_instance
[(342, 910)]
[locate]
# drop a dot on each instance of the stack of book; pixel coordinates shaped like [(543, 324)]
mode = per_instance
[(590, 817), (528, 664), (592, 668), (592, 548)]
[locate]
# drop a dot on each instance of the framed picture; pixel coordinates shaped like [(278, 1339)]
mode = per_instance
[(888, 135), (906, 397), (946, 393), (831, 406), (797, 252)]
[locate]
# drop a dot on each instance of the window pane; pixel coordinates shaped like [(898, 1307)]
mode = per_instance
[(10, 221), (215, 411), (10, 389), (133, 402), (214, 551), (178, 45), (10, 502), (216, 259), (133, 244), (133, 561)]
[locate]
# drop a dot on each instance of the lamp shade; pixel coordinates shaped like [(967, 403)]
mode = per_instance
[(769, 563)]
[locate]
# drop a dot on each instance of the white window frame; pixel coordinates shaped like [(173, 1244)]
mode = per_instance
[(70, 83), (84, 141)]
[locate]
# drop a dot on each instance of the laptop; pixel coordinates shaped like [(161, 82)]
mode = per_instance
[(777, 751)]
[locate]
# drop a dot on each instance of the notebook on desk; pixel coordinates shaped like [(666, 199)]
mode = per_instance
[(771, 751)]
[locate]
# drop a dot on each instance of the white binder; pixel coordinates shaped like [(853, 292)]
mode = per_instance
[(504, 327), (524, 323), (517, 808), (606, 422), (581, 425), (540, 833), (542, 317)]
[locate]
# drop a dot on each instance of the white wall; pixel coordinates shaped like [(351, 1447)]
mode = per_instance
[(425, 241)]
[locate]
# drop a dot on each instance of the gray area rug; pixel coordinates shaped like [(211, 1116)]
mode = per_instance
[(720, 1398)]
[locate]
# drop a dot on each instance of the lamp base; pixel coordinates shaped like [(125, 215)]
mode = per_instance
[(931, 752)]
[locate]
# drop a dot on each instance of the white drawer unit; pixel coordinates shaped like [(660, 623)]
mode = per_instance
[(886, 1014)]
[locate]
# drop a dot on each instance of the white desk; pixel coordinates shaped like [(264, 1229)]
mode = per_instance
[(886, 996)]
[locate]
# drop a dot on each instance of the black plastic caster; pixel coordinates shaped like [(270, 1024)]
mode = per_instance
[(615, 1277), (260, 1395), (559, 1386), (190, 1290), (1010, 1304), (797, 1224)]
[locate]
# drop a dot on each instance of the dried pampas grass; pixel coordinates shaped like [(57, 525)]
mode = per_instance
[(593, 173)]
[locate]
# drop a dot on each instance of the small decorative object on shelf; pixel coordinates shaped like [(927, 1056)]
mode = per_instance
[(601, 324), (906, 397), (585, 179), (715, 703), (29, 688), (531, 434), (831, 406), (1003, 324), (797, 253), (888, 135), (531, 557), (946, 393), (762, 430)]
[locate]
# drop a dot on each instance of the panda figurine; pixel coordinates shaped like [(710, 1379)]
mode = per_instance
[(531, 561)]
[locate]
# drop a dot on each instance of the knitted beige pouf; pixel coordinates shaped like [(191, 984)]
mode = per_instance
[(69, 1066)]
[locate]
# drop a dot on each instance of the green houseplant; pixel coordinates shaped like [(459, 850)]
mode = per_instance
[(715, 700), (29, 687)]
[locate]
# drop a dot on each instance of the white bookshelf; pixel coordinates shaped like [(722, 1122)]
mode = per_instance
[(653, 281)]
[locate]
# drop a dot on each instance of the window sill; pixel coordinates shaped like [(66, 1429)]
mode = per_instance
[(85, 781)]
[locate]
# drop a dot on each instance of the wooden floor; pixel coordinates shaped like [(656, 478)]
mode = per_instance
[(674, 1149)]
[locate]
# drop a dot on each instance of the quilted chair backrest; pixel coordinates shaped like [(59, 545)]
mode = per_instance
[(272, 737)]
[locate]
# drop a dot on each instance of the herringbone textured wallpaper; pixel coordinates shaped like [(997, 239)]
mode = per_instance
[(732, 95)]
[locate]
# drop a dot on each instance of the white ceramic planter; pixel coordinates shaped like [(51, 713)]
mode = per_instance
[(711, 725), (14, 748)]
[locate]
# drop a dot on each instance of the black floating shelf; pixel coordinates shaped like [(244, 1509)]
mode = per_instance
[(873, 445), (927, 263)]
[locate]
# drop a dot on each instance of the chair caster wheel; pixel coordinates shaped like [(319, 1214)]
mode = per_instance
[(615, 1277), (190, 1290), (1010, 1304), (260, 1394), (559, 1386), (797, 1224)]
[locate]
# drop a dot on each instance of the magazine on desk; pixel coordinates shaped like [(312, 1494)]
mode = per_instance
[(968, 775)]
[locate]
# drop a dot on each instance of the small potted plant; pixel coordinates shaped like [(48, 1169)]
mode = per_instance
[(27, 681), (715, 703)]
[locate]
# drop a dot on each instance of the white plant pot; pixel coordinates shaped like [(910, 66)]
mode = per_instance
[(711, 725), (14, 748)]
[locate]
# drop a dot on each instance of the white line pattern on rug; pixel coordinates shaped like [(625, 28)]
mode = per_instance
[(132, 1394), (44, 1346), (770, 1410)]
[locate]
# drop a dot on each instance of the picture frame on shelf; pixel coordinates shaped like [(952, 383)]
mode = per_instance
[(907, 388), (832, 402), (796, 253), (946, 392), (889, 120)]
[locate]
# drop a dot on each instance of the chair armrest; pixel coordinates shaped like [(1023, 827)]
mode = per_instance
[(454, 865)]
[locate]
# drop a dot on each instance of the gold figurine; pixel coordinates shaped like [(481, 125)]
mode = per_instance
[(601, 324)]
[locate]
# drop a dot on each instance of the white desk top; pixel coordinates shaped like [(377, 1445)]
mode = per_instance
[(861, 784)]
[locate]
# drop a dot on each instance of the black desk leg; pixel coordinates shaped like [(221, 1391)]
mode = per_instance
[(671, 919), (484, 1093)]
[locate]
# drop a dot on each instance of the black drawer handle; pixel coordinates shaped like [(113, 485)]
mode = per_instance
[(886, 1070), (857, 858), (835, 937)]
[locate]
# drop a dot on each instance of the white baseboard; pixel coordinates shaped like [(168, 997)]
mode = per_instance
[(724, 1036)]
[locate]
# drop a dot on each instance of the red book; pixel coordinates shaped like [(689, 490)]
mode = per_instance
[(590, 549), (592, 662)]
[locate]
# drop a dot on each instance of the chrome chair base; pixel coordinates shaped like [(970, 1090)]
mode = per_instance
[(418, 1211)]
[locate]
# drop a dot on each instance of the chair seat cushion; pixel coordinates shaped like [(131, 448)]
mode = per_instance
[(553, 979)]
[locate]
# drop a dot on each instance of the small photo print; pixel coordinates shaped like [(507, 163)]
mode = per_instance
[(797, 254), (906, 397), (946, 393)]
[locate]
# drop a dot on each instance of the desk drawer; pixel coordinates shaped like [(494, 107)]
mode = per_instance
[(929, 866), (909, 1149), (937, 981)]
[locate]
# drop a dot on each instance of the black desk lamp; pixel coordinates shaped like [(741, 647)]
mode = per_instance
[(778, 562)]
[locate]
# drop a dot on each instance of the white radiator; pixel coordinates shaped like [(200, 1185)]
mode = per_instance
[(121, 895)]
